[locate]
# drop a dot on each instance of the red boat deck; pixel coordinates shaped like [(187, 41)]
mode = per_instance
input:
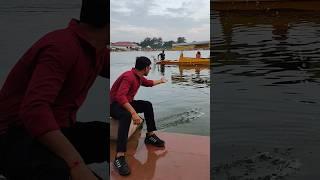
[(185, 157)]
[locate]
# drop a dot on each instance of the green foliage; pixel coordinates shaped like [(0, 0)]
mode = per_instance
[(181, 40), (167, 44), (158, 43)]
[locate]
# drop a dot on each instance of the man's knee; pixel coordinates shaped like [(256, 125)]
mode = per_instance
[(126, 115), (147, 104)]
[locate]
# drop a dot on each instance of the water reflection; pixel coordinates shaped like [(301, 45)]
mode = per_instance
[(142, 158), (146, 170), (266, 81), (186, 75), (266, 44), (161, 68)]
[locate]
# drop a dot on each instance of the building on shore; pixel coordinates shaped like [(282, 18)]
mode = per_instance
[(196, 45), (125, 46)]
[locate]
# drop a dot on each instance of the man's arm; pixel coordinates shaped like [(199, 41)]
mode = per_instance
[(36, 112), (149, 83), (121, 98), (135, 117), (61, 146), (160, 81)]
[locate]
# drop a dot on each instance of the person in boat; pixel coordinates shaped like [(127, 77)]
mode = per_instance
[(39, 135), (162, 56), (181, 54), (198, 55), (124, 108)]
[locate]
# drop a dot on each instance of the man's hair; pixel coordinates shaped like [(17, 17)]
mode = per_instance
[(142, 62), (94, 12)]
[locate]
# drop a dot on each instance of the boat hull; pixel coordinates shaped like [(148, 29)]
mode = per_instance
[(186, 61)]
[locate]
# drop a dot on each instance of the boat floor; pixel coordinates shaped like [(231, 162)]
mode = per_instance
[(185, 157)]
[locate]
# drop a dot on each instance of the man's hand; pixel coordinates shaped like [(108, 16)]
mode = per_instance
[(136, 119), (163, 80), (82, 172)]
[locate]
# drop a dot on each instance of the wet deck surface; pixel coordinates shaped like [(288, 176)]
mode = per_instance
[(185, 157)]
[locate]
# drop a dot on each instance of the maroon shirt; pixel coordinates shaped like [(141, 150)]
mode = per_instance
[(126, 87), (49, 83)]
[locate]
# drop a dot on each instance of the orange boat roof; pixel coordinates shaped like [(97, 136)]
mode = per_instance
[(185, 157)]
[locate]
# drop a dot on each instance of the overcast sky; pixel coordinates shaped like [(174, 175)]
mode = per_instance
[(133, 20)]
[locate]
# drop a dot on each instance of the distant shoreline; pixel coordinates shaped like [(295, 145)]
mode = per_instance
[(161, 50)]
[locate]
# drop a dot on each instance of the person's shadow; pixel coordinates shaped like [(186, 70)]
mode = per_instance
[(146, 170)]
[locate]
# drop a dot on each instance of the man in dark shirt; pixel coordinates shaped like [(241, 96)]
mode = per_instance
[(39, 136), (124, 108), (162, 56)]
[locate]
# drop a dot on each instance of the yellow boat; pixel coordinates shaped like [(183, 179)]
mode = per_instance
[(187, 61)]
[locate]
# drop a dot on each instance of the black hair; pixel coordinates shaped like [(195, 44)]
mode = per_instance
[(142, 62), (94, 12)]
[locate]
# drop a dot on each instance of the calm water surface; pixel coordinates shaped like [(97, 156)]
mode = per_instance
[(266, 88), (180, 105)]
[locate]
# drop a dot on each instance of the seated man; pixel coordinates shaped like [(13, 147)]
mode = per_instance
[(40, 137), (198, 55), (124, 108)]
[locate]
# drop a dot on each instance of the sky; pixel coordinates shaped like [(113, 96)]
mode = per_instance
[(134, 20)]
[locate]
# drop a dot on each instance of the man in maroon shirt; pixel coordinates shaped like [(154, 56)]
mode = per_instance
[(39, 136), (124, 108)]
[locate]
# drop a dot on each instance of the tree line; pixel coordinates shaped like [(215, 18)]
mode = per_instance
[(158, 43)]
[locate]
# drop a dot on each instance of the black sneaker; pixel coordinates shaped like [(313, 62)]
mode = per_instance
[(95, 174), (122, 166), (154, 140)]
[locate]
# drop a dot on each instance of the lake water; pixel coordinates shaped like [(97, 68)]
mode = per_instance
[(265, 94), (182, 104)]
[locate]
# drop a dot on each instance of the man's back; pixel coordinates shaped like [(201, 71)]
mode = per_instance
[(128, 79), (162, 56), (52, 77), (126, 86)]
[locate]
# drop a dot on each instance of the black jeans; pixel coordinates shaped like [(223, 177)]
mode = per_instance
[(124, 117), (24, 158)]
